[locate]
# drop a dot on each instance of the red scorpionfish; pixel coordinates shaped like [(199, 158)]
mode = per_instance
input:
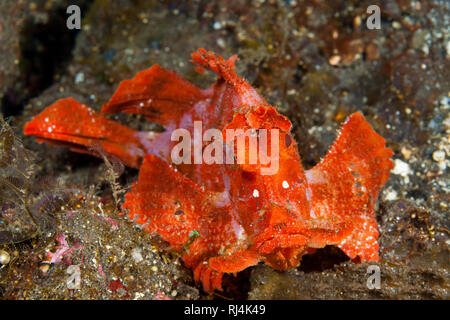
[(223, 218)]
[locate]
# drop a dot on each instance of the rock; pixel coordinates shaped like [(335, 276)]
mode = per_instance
[(401, 168), (439, 155), (4, 257)]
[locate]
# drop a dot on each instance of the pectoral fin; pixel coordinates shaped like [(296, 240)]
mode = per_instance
[(346, 183)]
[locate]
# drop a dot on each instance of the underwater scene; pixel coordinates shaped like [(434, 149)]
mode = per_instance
[(224, 150)]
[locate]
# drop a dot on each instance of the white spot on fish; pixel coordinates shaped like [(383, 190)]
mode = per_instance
[(285, 184), (256, 193)]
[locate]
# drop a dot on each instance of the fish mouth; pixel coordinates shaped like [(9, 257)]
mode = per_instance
[(301, 237), (284, 251), (282, 241)]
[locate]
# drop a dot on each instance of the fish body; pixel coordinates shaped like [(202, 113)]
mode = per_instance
[(224, 217)]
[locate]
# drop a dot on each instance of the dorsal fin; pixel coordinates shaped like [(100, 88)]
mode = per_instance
[(224, 68)]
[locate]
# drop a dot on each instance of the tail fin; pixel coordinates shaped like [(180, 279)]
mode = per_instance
[(346, 183), (163, 200), (172, 205), (159, 94), (70, 123)]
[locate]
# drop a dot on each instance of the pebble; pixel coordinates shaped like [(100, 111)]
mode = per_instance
[(4, 257), (44, 268), (396, 25), (439, 155), (334, 60), (221, 43), (401, 168), (406, 152), (136, 254), (391, 195), (79, 78), (447, 48)]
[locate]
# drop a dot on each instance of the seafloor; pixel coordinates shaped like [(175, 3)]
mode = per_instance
[(316, 60)]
